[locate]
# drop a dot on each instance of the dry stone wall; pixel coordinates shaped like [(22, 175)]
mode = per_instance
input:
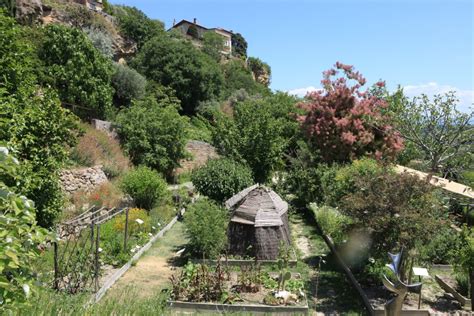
[(201, 152), (85, 179)]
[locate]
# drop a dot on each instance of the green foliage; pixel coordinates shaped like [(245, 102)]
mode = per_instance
[(436, 129), (178, 64), (213, 45), (153, 133), (206, 226), (200, 129), (395, 210), (145, 186), (338, 181), (135, 25), (261, 70), (40, 131), (254, 136), (20, 239), (439, 250), (16, 56), (239, 45), (464, 255), (128, 84), (332, 222), (79, 71), (237, 76), (101, 40), (220, 179)]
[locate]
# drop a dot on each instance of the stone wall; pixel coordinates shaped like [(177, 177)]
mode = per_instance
[(85, 179)]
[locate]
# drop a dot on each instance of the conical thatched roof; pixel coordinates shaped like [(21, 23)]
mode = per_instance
[(258, 206)]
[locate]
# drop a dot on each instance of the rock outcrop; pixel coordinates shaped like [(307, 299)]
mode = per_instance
[(86, 179), (28, 11), (201, 152)]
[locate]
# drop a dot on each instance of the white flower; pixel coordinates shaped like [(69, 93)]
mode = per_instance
[(159, 224), (371, 260), (4, 150), (26, 289), (9, 240), (100, 249), (15, 161), (153, 227), (139, 221), (132, 250), (150, 234)]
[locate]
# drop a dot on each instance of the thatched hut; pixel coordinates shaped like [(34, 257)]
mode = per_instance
[(258, 224)]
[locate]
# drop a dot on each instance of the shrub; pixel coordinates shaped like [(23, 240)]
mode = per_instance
[(101, 40), (20, 242), (206, 227), (344, 123), (79, 71), (220, 179), (332, 222), (106, 195), (135, 218), (128, 84), (439, 250), (95, 147), (145, 186), (237, 76), (395, 210), (339, 181), (40, 131), (153, 134)]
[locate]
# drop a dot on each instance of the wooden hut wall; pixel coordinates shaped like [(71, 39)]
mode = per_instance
[(241, 239)]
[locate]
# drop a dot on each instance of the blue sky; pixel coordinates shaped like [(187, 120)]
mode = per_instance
[(425, 46)]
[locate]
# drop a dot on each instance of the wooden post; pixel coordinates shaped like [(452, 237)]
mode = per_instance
[(97, 241), (419, 295), (56, 266), (126, 231)]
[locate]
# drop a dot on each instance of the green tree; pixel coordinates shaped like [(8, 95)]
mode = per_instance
[(220, 179), (40, 131), (438, 130), (239, 45), (464, 258), (17, 61), (178, 64), (254, 136), (135, 25), (20, 239), (261, 70), (81, 73), (154, 134), (145, 186), (237, 77), (213, 45)]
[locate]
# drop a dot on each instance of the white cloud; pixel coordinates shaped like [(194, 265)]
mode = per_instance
[(301, 92), (466, 97)]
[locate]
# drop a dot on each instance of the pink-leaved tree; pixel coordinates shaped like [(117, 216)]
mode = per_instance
[(343, 122)]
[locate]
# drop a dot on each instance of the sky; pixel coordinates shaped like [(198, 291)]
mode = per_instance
[(426, 46)]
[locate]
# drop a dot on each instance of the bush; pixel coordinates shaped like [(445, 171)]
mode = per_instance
[(220, 179), (206, 227), (128, 84), (339, 181), (97, 148), (106, 195), (395, 210), (153, 134), (101, 40), (40, 131), (135, 218), (145, 186), (332, 222), (440, 249), (20, 242)]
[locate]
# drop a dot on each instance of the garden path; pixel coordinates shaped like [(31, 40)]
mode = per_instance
[(152, 272)]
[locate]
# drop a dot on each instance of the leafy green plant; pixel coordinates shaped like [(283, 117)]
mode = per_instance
[(145, 186), (101, 40), (439, 250), (206, 227), (79, 71), (21, 240), (128, 84), (220, 179), (154, 134), (332, 222)]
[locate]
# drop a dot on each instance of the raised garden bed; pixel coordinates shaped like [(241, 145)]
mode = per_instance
[(448, 285), (242, 262), (248, 288)]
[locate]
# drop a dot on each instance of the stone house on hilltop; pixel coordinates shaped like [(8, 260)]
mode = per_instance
[(195, 32)]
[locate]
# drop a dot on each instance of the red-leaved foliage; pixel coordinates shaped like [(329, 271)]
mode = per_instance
[(344, 123)]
